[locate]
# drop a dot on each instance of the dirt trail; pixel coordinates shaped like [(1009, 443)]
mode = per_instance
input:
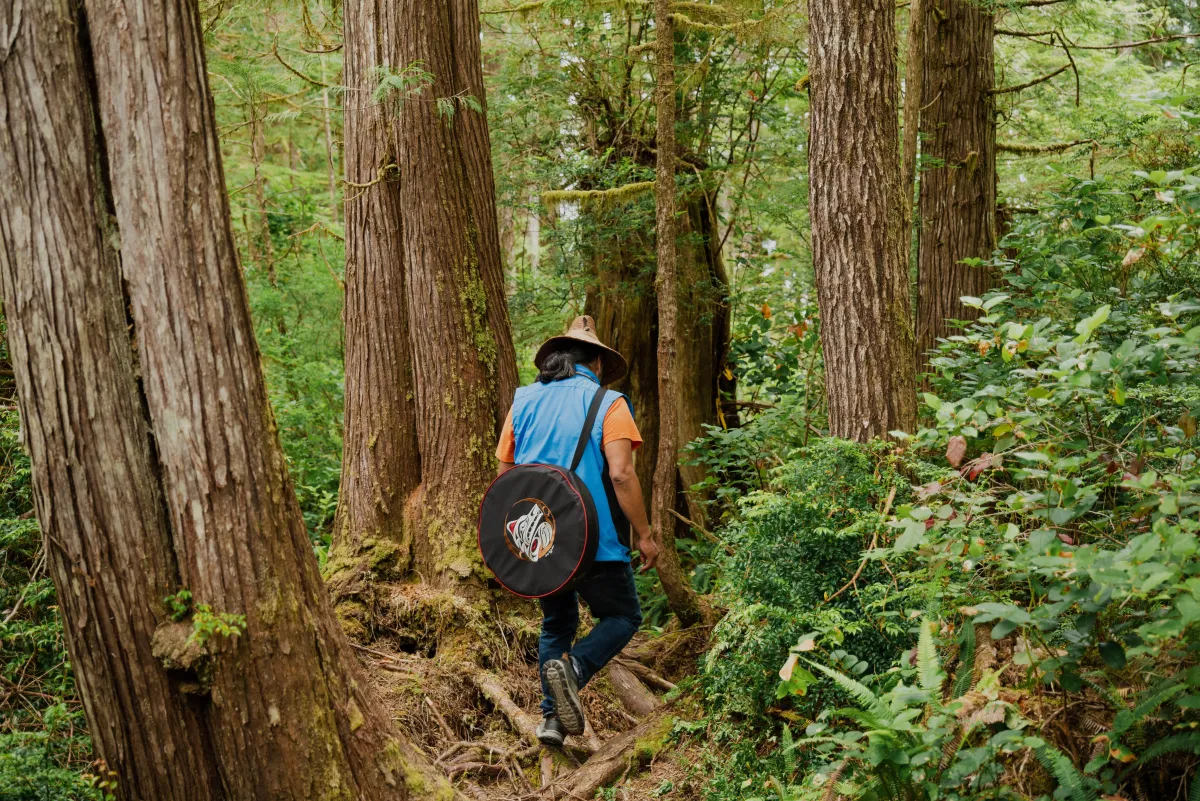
[(477, 724)]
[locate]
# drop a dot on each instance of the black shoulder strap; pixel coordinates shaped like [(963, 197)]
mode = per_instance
[(586, 433)]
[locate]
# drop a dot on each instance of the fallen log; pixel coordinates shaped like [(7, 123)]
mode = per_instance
[(629, 688), (648, 676)]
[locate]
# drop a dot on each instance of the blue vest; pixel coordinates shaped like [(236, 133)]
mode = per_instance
[(546, 420)]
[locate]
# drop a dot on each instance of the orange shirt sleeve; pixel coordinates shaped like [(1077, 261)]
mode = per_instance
[(506, 448), (618, 424)]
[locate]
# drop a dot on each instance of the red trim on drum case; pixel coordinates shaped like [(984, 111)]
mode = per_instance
[(479, 532)]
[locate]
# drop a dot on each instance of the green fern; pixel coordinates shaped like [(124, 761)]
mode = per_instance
[(1156, 696), (929, 667), (789, 751), (1189, 742), (1115, 701), (1064, 771), (858, 691), (965, 677), (864, 718)]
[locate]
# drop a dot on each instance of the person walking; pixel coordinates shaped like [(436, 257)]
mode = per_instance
[(543, 427)]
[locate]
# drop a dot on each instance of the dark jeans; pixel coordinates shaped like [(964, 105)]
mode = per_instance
[(609, 592)]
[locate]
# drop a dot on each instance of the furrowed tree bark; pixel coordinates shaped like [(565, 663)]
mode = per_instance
[(475, 146), (623, 302), (457, 359), (95, 482), (958, 192), (381, 461), (914, 79), (857, 220), (156, 463), (420, 425), (680, 595)]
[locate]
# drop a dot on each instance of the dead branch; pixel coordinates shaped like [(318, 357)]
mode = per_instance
[(1142, 43), (293, 70), (1052, 147), (1022, 34), (521, 721), (495, 769), (887, 507), (536, 4), (708, 535), (1022, 86), (441, 721), (1063, 41)]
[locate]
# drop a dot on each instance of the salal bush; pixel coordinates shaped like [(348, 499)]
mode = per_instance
[(792, 547), (1061, 539)]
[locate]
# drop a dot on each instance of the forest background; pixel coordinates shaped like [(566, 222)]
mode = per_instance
[(999, 601)]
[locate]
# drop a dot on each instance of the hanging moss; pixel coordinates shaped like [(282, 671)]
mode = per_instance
[(602, 198)]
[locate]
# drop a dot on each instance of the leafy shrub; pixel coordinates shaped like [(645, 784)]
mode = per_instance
[(793, 547), (38, 766), (44, 747), (1069, 529)]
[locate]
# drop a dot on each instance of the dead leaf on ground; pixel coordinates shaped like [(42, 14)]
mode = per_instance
[(956, 449)]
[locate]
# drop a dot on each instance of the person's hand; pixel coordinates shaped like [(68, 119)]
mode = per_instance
[(648, 549)]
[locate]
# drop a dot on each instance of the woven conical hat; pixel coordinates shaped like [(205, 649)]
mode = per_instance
[(583, 329)]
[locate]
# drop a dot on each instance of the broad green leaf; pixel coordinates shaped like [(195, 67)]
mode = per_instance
[(1088, 325), (1113, 654)]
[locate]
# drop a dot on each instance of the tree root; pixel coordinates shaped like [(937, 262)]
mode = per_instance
[(656, 651), (617, 757), (648, 676), (634, 696), (487, 768), (521, 721)]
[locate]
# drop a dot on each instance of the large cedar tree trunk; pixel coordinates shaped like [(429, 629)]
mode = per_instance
[(958, 192), (381, 463), (859, 242), (429, 380), (624, 304), (155, 458)]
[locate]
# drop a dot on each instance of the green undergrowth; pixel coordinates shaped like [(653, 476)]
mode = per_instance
[(1025, 624), (45, 752), (791, 575)]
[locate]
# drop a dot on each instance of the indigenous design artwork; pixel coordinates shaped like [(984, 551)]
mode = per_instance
[(531, 535)]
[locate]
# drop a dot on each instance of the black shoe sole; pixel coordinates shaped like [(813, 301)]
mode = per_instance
[(552, 740), (566, 703)]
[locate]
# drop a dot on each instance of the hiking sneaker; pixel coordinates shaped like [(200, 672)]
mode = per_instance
[(564, 689), (551, 732)]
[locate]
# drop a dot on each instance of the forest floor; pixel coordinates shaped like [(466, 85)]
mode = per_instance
[(476, 723)]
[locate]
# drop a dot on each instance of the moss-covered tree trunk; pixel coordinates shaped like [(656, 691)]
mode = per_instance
[(381, 463), (430, 365), (156, 466), (623, 302), (859, 242), (958, 189)]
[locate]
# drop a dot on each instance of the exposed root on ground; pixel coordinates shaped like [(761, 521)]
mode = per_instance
[(462, 683), (618, 757)]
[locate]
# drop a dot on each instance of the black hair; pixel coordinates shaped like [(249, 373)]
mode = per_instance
[(561, 363)]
